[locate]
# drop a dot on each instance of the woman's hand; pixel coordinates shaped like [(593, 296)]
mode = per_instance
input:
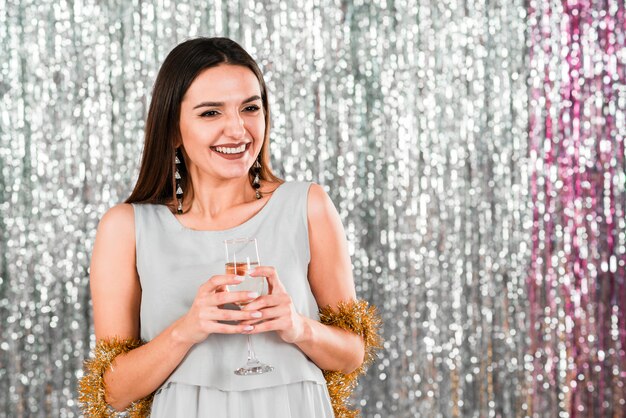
[(278, 312), (203, 317)]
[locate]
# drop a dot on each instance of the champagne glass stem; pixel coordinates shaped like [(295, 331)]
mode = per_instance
[(251, 355)]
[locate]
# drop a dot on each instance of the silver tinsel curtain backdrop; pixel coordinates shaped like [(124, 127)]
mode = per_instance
[(474, 149)]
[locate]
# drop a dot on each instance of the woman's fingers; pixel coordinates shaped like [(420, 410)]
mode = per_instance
[(206, 317), (230, 315), (273, 325), (290, 328), (267, 301), (219, 281), (232, 329), (251, 322), (271, 312), (222, 298), (274, 283), (268, 314)]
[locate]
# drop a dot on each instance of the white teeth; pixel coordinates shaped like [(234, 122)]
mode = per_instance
[(225, 150)]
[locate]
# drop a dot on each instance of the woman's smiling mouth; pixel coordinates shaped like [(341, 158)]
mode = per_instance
[(231, 151)]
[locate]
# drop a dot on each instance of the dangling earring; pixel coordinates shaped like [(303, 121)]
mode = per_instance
[(179, 190), (256, 170)]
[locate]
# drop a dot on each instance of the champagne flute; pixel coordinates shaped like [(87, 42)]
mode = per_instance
[(242, 256)]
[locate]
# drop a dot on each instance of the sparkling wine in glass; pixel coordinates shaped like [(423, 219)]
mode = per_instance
[(242, 256), (249, 284)]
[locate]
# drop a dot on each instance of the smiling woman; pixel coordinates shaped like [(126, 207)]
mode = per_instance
[(169, 333), (222, 123)]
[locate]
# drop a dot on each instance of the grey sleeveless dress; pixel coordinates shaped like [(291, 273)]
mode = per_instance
[(173, 261)]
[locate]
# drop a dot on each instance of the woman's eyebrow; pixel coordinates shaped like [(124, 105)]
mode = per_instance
[(218, 104)]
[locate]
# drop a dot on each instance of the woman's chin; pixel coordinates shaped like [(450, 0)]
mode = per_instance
[(233, 175)]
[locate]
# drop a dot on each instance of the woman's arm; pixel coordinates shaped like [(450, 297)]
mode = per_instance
[(116, 296), (331, 280), (330, 277)]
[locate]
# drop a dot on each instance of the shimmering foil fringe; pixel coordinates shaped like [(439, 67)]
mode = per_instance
[(413, 114), (576, 282), (91, 388), (362, 319), (415, 117)]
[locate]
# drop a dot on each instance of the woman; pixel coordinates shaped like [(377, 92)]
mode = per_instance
[(166, 342)]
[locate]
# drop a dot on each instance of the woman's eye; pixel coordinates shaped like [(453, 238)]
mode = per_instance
[(209, 113), (252, 108)]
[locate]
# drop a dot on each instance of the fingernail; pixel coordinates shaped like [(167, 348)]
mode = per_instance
[(253, 295), (248, 328), (252, 270), (256, 314), (239, 278)]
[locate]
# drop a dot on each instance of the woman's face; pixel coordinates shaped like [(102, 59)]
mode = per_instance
[(222, 122)]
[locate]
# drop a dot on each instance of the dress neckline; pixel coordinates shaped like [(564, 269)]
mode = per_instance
[(254, 218)]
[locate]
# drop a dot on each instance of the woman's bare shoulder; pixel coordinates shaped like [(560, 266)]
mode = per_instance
[(117, 228), (120, 217), (320, 207)]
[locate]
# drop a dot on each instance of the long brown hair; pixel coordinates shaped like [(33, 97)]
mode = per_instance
[(156, 183)]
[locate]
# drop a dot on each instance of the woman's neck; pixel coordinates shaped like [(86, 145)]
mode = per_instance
[(212, 198)]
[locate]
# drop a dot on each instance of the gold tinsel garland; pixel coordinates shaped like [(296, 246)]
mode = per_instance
[(91, 387), (358, 317)]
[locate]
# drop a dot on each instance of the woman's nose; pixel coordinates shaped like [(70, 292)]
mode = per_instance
[(234, 126)]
